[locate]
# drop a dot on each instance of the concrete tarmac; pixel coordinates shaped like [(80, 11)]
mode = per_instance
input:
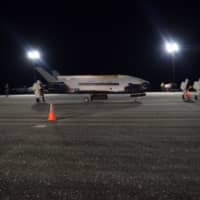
[(115, 149)]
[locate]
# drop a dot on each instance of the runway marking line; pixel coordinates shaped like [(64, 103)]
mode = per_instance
[(40, 126)]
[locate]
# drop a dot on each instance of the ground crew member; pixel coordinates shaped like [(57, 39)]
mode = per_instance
[(196, 87), (162, 86), (185, 87), (37, 89), (42, 92), (7, 89)]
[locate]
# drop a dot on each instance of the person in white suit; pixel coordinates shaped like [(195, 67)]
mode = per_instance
[(184, 87), (196, 87), (37, 90)]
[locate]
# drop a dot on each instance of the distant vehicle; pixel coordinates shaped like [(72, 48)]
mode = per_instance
[(169, 87), (22, 90), (98, 86)]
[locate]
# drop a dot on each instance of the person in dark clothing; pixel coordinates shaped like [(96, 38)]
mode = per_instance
[(7, 89), (42, 92)]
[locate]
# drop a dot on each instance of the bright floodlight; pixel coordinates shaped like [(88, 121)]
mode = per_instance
[(171, 47), (34, 55), (175, 47)]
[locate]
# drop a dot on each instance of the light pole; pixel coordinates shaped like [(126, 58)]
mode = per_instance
[(172, 48), (35, 56)]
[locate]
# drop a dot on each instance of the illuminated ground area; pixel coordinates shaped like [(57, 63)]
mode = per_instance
[(104, 150)]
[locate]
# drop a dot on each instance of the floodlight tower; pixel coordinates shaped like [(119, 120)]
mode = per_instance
[(172, 48)]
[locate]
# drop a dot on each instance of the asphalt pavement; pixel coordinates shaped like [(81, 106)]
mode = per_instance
[(115, 149)]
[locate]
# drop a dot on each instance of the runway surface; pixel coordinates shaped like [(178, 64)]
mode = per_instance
[(115, 149)]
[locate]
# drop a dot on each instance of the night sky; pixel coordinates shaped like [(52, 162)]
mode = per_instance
[(96, 37)]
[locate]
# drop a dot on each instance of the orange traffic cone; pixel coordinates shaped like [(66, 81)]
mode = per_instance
[(52, 116)]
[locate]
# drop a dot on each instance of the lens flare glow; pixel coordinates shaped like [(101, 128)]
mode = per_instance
[(172, 47), (33, 55)]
